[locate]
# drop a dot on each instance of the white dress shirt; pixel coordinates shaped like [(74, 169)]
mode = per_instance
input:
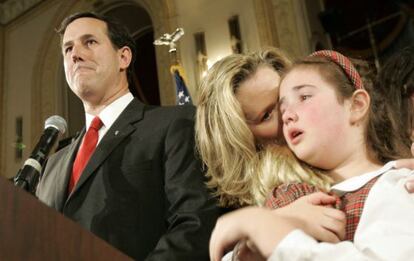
[(109, 114), (385, 230)]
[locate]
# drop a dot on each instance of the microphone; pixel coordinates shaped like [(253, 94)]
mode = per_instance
[(28, 175)]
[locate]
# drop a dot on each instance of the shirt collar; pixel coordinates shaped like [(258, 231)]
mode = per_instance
[(111, 112), (357, 182)]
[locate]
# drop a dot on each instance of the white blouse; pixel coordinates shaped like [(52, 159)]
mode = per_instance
[(385, 230)]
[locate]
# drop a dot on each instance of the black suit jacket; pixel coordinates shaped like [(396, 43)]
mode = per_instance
[(142, 190)]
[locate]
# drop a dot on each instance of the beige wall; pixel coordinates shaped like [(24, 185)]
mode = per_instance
[(2, 114), (298, 26), (22, 42), (210, 17), (266, 23)]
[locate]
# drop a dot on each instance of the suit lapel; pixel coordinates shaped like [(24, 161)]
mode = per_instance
[(121, 129), (60, 191)]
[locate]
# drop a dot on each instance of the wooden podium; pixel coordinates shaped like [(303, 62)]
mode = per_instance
[(30, 230)]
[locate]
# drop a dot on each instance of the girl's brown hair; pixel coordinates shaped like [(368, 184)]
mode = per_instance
[(395, 81)]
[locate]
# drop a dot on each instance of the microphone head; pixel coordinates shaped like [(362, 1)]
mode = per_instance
[(56, 122)]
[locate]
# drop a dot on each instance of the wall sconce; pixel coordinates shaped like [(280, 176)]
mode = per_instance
[(18, 145), (235, 35), (201, 55)]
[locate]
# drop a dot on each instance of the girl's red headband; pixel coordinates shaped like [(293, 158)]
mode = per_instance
[(344, 63)]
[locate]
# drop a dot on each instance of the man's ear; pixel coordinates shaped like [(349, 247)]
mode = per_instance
[(125, 57), (361, 102)]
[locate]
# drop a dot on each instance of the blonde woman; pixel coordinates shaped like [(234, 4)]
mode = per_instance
[(237, 116)]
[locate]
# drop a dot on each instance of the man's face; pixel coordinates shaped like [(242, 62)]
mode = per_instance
[(92, 65)]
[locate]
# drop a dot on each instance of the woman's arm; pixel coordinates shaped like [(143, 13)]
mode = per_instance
[(264, 228), (252, 223)]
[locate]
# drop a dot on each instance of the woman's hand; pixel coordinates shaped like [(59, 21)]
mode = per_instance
[(409, 184), (246, 251), (409, 164)]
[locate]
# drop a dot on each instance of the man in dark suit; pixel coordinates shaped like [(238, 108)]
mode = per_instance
[(139, 185)]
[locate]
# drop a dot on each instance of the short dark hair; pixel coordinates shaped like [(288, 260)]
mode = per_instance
[(118, 34)]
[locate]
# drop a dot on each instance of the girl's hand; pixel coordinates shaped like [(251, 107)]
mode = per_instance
[(315, 217)]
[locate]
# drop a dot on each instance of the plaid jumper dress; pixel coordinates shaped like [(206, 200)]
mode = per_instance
[(351, 203)]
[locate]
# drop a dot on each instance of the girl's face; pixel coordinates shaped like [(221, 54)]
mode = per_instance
[(258, 97), (315, 125)]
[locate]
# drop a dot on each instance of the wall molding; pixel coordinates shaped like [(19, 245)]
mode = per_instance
[(286, 24), (11, 9), (2, 107), (266, 25)]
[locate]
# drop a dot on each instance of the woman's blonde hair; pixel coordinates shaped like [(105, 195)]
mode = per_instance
[(224, 140), (277, 165)]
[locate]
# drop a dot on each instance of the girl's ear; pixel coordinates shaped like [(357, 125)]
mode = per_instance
[(125, 57), (360, 106)]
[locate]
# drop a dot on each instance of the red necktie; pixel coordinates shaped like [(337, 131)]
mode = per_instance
[(86, 149)]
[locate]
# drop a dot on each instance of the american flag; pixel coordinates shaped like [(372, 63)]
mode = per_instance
[(182, 94)]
